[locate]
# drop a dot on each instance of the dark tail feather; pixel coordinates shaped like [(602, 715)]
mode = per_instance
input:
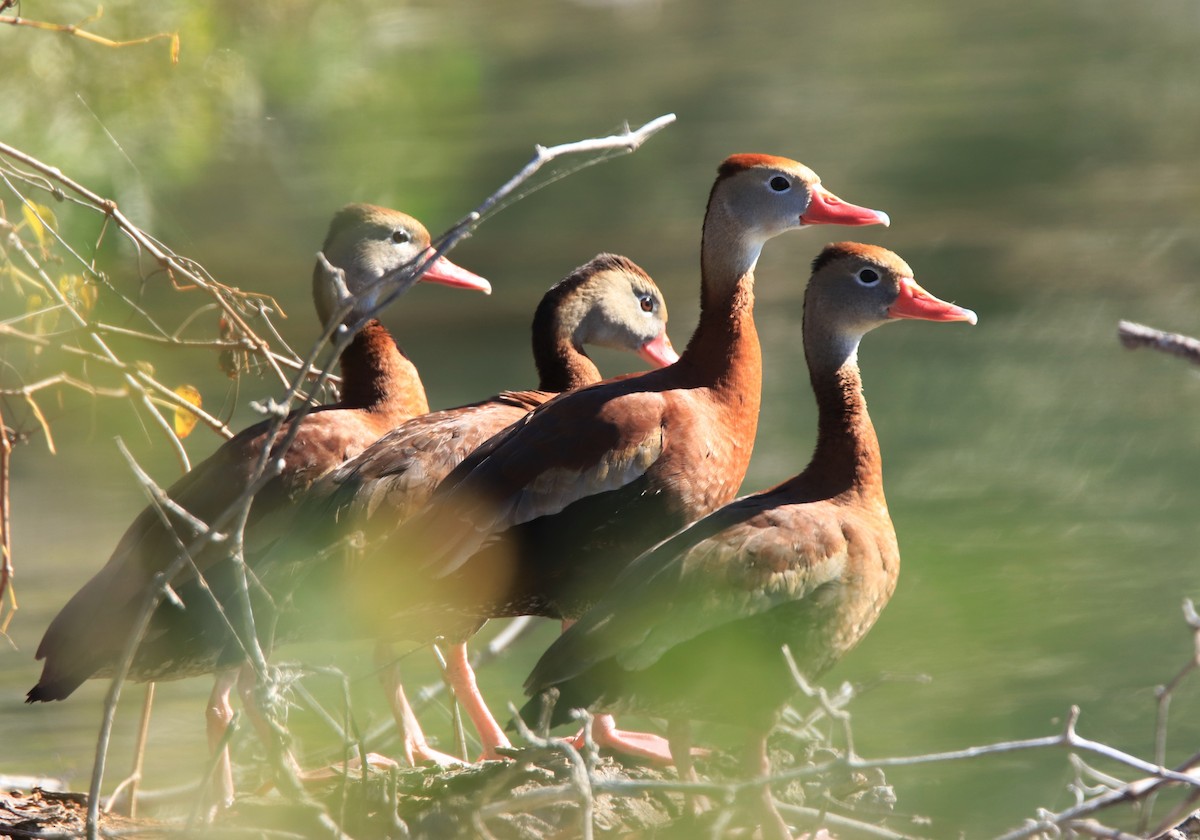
[(47, 690), (556, 706)]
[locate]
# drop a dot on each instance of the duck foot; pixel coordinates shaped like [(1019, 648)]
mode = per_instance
[(374, 761), (646, 746)]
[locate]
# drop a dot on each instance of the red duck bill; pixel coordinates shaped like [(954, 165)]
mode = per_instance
[(915, 302), (447, 273), (658, 351), (825, 208)]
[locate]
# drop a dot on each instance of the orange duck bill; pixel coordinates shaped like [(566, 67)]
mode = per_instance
[(658, 351), (825, 208), (915, 302), (441, 270)]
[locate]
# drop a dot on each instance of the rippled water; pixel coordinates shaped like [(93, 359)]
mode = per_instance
[(1038, 161)]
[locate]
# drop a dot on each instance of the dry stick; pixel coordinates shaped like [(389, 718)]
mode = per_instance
[(130, 377), (1164, 694), (168, 260), (75, 30), (1068, 738), (161, 392), (173, 342), (6, 565), (1091, 828), (581, 775), (834, 711), (820, 817), (165, 394), (1134, 335), (238, 512), (132, 782), (52, 289)]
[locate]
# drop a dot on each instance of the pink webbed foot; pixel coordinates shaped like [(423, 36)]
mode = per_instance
[(375, 761), (422, 753), (642, 745)]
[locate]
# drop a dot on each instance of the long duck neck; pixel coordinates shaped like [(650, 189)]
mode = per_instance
[(561, 363), (378, 377), (725, 343), (563, 367), (847, 458)]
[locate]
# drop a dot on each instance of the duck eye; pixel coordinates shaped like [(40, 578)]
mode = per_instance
[(780, 184), (647, 303), (400, 236), (867, 276)]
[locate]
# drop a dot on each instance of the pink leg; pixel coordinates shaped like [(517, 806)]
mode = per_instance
[(758, 766), (416, 750), (247, 681), (679, 733), (462, 679), (642, 745), (218, 716)]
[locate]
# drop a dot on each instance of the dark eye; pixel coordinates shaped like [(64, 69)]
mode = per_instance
[(647, 303), (400, 236), (867, 276), (780, 184)]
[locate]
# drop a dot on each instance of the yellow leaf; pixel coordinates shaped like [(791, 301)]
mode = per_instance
[(185, 420), (35, 215), (79, 292), (174, 47)]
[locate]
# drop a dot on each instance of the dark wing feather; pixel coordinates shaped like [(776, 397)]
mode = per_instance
[(588, 442)]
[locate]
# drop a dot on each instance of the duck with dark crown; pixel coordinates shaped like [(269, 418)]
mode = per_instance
[(607, 302), (369, 252), (541, 518), (694, 628)]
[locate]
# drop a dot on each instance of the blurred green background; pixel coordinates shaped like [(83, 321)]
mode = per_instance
[(1039, 162)]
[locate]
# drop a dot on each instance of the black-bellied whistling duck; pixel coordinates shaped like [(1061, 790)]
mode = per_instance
[(609, 302), (694, 628), (540, 519), (380, 389)]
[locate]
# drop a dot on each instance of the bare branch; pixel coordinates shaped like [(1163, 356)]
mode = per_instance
[(1134, 336), (77, 31), (7, 588)]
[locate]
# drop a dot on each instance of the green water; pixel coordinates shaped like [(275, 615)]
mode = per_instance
[(1039, 164)]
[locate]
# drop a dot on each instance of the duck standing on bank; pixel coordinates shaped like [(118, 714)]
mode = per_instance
[(694, 629), (371, 246), (608, 302), (541, 518)]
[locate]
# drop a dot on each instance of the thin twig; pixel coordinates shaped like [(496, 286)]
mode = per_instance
[(581, 776), (1134, 335), (77, 31), (7, 588)]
